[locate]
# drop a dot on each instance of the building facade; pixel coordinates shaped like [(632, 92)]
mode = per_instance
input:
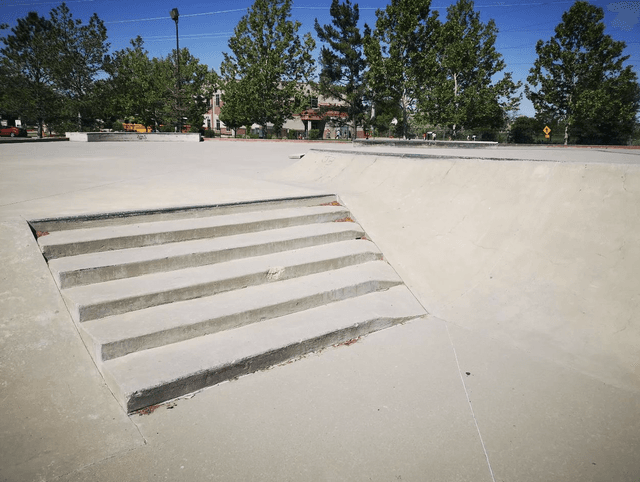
[(321, 117)]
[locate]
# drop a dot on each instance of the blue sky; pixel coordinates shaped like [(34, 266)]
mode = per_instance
[(205, 27)]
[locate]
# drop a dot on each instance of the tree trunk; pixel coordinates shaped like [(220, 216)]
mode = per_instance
[(354, 135), (566, 133), (455, 97), (404, 116)]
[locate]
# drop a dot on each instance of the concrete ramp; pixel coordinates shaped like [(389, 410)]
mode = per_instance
[(542, 255), (173, 301)]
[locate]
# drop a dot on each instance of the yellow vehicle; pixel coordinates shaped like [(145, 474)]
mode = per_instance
[(135, 128), (140, 128)]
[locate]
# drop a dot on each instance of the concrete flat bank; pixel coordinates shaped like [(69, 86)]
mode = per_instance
[(418, 143), (538, 254), (132, 137)]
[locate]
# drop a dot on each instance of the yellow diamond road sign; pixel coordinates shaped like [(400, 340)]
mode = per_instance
[(546, 130)]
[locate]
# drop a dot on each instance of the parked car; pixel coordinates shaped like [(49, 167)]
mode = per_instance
[(13, 131)]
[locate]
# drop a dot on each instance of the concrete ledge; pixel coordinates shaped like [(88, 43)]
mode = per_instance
[(132, 137), (421, 143), (19, 140)]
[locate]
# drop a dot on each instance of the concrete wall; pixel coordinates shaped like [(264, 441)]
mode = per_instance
[(131, 137), (427, 143), (540, 255)]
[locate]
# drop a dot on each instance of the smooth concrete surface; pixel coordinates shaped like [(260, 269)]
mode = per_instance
[(508, 254), (540, 255), (56, 413)]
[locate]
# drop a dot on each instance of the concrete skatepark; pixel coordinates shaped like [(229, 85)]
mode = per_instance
[(527, 367)]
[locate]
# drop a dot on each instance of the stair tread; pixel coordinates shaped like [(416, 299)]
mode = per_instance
[(184, 248), (190, 313), (156, 367), (182, 212), (171, 281), (154, 227)]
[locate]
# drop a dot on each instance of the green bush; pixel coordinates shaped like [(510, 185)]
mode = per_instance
[(314, 134), (117, 126), (209, 133)]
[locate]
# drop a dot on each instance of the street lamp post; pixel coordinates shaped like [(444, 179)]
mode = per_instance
[(174, 17)]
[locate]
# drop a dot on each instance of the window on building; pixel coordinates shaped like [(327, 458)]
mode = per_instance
[(314, 102), (217, 124), (218, 100)]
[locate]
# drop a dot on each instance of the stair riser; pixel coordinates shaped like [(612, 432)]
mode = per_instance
[(124, 242), (120, 348), (124, 218), (216, 375), (124, 305), (69, 279)]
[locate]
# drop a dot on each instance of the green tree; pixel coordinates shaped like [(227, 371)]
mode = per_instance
[(343, 63), (581, 80), (271, 62), (384, 111), (137, 86), (464, 95), (197, 84), (235, 113), (78, 54), (400, 55), (26, 71), (144, 89), (524, 130)]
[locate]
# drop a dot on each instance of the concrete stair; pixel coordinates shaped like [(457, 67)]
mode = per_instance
[(169, 304)]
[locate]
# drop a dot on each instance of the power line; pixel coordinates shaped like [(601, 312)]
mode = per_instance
[(154, 38), (181, 15)]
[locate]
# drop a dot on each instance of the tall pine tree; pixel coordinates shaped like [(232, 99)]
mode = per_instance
[(80, 55), (342, 62), (580, 80), (27, 71)]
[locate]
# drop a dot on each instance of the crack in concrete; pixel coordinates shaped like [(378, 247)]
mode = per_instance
[(448, 171), (86, 466), (466, 392), (626, 325)]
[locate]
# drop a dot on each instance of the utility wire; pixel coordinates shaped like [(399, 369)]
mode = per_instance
[(181, 16)]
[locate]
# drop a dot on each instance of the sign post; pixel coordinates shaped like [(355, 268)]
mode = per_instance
[(546, 131)]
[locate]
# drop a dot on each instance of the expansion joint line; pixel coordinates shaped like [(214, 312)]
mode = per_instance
[(466, 392)]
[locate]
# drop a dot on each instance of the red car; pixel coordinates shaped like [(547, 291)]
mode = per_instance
[(13, 131)]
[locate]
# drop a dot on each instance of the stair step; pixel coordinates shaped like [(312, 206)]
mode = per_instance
[(165, 214), (81, 241), (120, 296), (151, 376), (119, 335), (125, 263)]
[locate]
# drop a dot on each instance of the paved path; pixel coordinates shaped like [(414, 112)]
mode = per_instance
[(510, 382)]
